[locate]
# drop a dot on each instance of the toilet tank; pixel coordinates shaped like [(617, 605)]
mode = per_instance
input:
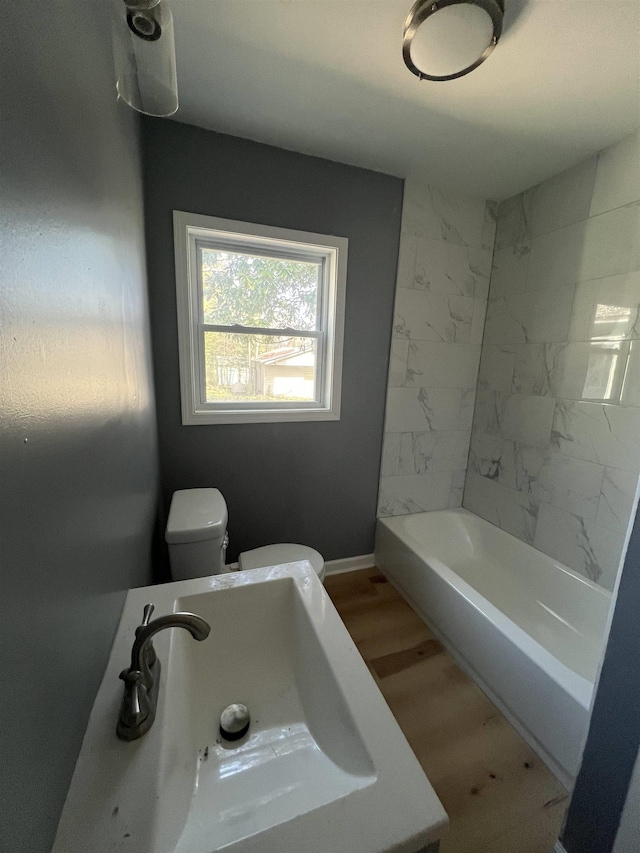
[(196, 533)]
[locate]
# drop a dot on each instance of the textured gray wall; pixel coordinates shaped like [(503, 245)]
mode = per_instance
[(78, 468), (310, 482)]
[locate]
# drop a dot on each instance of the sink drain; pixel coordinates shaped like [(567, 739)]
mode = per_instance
[(234, 721)]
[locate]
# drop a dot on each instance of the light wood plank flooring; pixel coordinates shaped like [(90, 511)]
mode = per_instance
[(498, 794)]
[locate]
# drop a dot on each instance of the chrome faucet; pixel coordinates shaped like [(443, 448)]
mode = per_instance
[(142, 679)]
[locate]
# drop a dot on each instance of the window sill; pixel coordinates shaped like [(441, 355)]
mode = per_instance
[(203, 418)]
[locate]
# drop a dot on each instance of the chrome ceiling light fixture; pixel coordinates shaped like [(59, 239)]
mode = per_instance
[(446, 39), (144, 54)]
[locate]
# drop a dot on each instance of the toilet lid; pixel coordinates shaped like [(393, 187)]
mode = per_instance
[(285, 552)]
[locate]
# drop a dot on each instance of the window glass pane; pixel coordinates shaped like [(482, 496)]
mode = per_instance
[(256, 368), (611, 322), (605, 371), (249, 290)]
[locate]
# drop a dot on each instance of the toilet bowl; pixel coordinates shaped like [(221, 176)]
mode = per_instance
[(196, 534)]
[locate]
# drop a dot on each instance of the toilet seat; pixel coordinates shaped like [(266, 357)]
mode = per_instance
[(284, 552)]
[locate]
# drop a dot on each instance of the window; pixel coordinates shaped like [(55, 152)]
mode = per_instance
[(611, 354), (260, 321)]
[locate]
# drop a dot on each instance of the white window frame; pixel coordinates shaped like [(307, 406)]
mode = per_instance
[(191, 229)]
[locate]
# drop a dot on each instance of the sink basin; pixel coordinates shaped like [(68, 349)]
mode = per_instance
[(324, 766), (303, 749)]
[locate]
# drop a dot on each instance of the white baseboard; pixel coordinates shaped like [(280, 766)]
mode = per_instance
[(558, 848), (349, 564)]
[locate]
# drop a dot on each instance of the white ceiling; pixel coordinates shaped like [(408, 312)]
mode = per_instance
[(326, 77)]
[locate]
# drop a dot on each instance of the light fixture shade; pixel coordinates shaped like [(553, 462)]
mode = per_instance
[(446, 39), (144, 55)]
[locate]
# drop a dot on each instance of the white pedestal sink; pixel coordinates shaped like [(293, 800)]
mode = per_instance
[(324, 767)]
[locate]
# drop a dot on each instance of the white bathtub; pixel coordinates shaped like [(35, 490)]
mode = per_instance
[(529, 630)]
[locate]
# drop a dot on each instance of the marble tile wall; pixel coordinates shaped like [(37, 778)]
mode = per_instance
[(441, 300), (555, 445)]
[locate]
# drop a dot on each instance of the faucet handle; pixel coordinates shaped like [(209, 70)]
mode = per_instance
[(146, 615), (135, 707), (150, 656)]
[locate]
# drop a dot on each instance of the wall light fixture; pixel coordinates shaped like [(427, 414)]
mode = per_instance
[(145, 56)]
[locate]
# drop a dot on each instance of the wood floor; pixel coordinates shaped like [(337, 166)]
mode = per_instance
[(498, 794)]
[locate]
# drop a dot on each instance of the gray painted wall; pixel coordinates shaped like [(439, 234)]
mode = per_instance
[(78, 468), (310, 482), (628, 836)]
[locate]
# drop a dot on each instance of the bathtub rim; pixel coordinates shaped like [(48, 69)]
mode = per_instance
[(601, 591), (565, 777), (577, 686)]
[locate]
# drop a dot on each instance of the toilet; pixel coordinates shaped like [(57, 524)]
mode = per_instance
[(196, 534)]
